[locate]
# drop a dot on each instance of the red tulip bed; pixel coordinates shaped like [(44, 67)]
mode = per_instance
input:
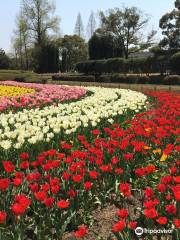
[(131, 165)]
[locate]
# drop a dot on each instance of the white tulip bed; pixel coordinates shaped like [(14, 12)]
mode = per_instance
[(35, 125)]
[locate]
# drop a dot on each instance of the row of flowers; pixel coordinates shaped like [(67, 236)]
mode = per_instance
[(134, 160), (42, 125), (28, 95), (15, 91)]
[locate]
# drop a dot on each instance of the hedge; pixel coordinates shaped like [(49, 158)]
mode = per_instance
[(172, 80), (135, 79), (121, 65), (175, 63), (122, 78), (73, 78)]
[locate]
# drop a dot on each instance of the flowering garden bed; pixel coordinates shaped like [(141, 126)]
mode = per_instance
[(64, 167), (19, 95)]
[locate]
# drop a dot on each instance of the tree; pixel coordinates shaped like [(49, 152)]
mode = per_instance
[(104, 45), (39, 19), (73, 49), (4, 60), (46, 58), (21, 41), (126, 26), (91, 27), (170, 25), (79, 27)]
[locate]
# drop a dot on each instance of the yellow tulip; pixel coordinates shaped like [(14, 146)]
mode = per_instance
[(163, 157), (13, 91)]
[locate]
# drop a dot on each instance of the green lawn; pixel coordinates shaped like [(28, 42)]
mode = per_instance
[(18, 74)]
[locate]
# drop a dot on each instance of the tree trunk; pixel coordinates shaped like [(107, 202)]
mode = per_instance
[(20, 51), (26, 54)]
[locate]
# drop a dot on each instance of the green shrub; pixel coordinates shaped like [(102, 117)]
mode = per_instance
[(143, 80), (104, 78), (172, 80), (121, 78), (175, 63), (76, 78), (19, 79), (117, 78), (156, 79), (116, 65), (21, 76)]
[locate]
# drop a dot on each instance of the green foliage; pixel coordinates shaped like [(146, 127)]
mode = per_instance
[(126, 26), (91, 27), (73, 49), (33, 48), (118, 65), (103, 45), (46, 58), (4, 60), (21, 41), (128, 79), (170, 25), (16, 74), (79, 27), (76, 78), (172, 80), (175, 63), (39, 19)]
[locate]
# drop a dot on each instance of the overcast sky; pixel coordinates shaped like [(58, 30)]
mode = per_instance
[(68, 10)]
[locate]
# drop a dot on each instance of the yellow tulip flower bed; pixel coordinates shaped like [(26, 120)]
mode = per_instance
[(14, 91)]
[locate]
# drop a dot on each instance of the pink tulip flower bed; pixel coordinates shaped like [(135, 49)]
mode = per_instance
[(45, 94)]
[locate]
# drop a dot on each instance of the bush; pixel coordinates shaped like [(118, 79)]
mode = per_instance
[(20, 76), (116, 65), (121, 78), (117, 78), (4, 60), (160, 64), (104, 79), (19, 79), (143, 79), (77, 78), (172, 80), (56, 77), (175, 63), (156, 79)]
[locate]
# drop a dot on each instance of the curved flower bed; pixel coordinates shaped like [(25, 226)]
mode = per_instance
[(41, 125), (44, 95), (133, 165)]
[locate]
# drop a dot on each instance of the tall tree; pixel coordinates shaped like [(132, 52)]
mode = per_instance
[(39, 18), (46, 58), (73, 49), (79, 27), (126, 25), (91, 27), (4, 60), (104, 45), (170, 25), (21, 40)]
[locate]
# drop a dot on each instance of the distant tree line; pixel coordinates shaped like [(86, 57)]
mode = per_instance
[(38, 45)]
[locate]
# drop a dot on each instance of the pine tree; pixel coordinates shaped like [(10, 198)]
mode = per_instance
[(79, 28), (91, 27)]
